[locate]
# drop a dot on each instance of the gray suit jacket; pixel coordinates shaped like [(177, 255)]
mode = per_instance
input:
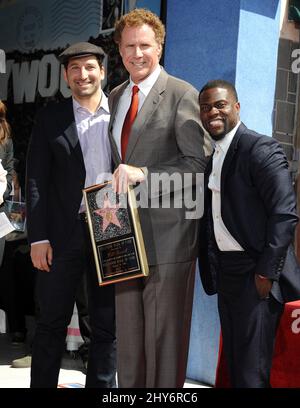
[(166, 137)]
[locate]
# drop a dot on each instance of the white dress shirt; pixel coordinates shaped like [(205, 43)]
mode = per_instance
[(92, 129), (125, 100), (224, 239)]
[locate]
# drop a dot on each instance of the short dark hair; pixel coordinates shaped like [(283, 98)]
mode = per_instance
[(220, 83)]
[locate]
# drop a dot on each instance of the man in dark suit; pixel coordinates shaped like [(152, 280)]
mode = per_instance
[(153, 314), (69, 150), (246, 234)]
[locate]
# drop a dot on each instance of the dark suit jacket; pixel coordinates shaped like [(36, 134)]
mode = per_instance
[(258, 208), (55, 175), (166, 137)]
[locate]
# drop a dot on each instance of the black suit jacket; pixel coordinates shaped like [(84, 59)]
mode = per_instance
[(258, 209), (55, 175)]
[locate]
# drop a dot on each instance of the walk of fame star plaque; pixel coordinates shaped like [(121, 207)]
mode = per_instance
[(116, 234)]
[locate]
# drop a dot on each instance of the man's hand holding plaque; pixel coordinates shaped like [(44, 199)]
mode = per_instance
[(125, 176)]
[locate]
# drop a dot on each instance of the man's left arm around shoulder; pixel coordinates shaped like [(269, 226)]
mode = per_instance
[(189, 136)]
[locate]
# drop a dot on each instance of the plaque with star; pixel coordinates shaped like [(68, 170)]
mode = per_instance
[(115, 233)]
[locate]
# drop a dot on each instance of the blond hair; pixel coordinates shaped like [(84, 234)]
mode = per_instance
[(5, 130), (137, 18)]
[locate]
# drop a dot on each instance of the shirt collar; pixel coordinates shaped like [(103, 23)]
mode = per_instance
[(103, 105), (146, 85), (227, 139)]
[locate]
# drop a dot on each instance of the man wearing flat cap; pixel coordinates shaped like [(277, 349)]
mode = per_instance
[(69, 150)]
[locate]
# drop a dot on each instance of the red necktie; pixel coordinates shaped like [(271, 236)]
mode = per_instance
[(129, 119)]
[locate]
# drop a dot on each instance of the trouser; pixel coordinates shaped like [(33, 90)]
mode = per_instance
[(248, 323), (153, 317), (81, 301), (56, 292)]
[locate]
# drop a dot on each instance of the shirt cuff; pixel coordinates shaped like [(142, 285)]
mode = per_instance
[(45, 241)]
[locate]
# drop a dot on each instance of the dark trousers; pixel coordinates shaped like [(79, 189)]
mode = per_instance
[(248, 323), (81, 301), (56, 292), (153, 327)]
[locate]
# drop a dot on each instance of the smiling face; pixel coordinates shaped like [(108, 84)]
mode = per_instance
[(84, 75), (140, 51), (219, 111)]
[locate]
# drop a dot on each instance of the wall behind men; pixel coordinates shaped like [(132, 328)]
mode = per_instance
[(256, 64), (236, 40)]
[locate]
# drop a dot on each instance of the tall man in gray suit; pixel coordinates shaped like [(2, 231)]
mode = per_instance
[(153, 314)]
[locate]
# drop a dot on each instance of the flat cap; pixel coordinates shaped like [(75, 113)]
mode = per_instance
[(80, 49)]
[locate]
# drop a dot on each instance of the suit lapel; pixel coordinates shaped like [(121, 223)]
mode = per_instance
[(208, 168), (150, 105), (207, 171), (230, 154), (115, 104), (70, 130)]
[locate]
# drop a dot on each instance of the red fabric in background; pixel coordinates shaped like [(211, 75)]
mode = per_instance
[(222, 377), (286, 361)]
